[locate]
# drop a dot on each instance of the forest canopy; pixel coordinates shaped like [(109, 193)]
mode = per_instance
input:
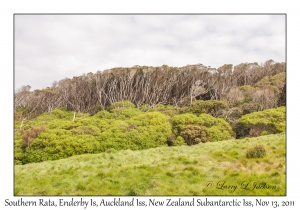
[(255, 86)]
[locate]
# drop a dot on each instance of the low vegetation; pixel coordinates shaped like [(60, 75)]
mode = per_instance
[(123, 126), (92, 134), (181, 170), (258, 151)]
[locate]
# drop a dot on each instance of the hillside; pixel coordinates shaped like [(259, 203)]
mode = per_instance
[(213, 168), (192, 130)]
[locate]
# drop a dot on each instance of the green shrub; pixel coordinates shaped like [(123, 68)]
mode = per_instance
[(104, 115), (18, 151), (257, 151), (56, 123), (62, 114), (218, 133), (150, 118), (123, 110), (92, 111), (179, 141), (212, 107), (218, 128), (174, 140), (18, 155), (270, 120), (95, 134), (88, 130), (44, 149), (145, 107), (182, 120), (264, 132), (213, 129)]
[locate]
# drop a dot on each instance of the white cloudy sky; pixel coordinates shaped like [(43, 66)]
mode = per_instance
[(52, 47)]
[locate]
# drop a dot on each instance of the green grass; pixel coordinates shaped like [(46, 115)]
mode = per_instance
[(205, 169)]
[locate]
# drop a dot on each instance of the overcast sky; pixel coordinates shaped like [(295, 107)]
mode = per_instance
[(52, 47)]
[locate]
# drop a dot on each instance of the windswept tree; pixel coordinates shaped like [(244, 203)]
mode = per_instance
[(158, 85)]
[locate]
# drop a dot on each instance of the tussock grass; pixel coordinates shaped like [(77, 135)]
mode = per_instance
[(181, 170), (258, 151)]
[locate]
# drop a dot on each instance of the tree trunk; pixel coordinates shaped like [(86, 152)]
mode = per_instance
[(74, 116), (22, 123)]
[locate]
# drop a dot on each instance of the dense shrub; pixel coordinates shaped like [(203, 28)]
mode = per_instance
[(104, 115), (123, 126), (264, 133), (219, 132), (152, 129), (94, 110), (182, 120), (212, 107), (62, 114), (270, 120), (194, 134), (179, 141), (63, 146), (123, 110), (93, 134), (217, 128), (201, 129), (18, 151), (88, 130)]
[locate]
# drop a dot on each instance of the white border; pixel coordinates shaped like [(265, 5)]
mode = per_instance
[(8, 8)]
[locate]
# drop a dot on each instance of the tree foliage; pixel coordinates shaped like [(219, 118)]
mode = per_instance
[(147, 85)]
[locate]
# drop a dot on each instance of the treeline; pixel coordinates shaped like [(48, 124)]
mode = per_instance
[(252, 86)]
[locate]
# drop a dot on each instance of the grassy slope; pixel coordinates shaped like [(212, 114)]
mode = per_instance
[(183, 170)]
